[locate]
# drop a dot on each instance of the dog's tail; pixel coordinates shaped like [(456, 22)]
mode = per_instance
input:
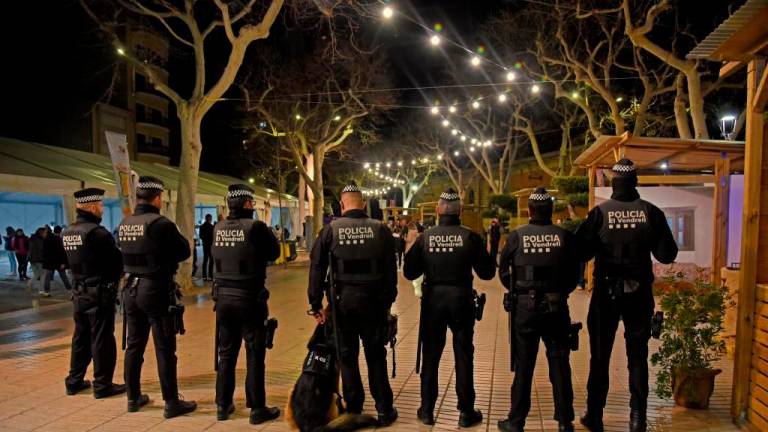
[(350, 422)]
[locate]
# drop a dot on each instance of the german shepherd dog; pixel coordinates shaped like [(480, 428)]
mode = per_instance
[(314, 404)]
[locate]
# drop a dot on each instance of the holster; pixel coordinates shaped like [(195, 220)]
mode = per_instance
[(509, 306), (391, 338), (573, 335), (479, 303), (271, 328), (657, 324), (176, 308)]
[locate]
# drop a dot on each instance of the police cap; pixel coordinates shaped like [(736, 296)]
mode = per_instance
[(150, 183), (88, 195)]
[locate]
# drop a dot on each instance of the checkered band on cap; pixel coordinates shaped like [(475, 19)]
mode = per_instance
[(449, 196), (240, 193), (624, 166), (150, 185), (88, 199), (540, 197), (350, 188)]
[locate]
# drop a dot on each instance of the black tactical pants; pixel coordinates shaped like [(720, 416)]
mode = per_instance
[(635, 310), (147, 310), (444, 308), (240, 319), (533, 322), (361, 319), (94, 338)]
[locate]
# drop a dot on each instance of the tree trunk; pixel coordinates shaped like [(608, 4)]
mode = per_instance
[(189, 168), (681, 116), (696, 103), (318, 200)]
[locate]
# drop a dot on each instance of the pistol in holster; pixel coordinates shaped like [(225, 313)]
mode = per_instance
[(271, 325), (573, 335), (391, 339), (479, 304), (129, 286), (618, 287), (509, 307), (176, 309), (657, 324)]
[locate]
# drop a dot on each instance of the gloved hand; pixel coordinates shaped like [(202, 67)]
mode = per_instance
[(417, 286)]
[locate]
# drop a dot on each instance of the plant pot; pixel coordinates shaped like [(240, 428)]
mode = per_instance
[(692, 388)]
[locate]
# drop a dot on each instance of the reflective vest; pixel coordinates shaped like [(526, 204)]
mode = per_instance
[(140, 251), (539, 255), (235, 256), (624, 234), (448, 256), (357, 250), (81, 259)]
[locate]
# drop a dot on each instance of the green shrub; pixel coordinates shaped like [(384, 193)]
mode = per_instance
[(507, 203), (571, 224), (560, 206), (571, 184), (489, 213), (580, 199)]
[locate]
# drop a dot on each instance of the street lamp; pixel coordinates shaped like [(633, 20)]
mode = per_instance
[(387, 12), (728, 126), (435, 40)]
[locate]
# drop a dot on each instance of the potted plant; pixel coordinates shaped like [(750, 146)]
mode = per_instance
[(693, 318)]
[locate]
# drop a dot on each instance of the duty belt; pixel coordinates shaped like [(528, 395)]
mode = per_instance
[(240, 292), (533, 273)]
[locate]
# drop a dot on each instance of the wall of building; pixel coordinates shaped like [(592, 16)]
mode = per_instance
[(735, 209)]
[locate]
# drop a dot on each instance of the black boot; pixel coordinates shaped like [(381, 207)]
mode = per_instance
[(112, 390), (470, 418), (637, 421), (177, 407), (507, 426), (223, 413), (425, 416), (261, 415), (135, 405), (77, 388), (565, 427), (592, 422), (388, 417)]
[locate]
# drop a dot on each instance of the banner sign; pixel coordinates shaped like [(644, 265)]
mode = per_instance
[(125, 184)]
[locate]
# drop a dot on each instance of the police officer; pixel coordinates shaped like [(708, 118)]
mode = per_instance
[(446, 255), (241, 248), (96, 265), (540, 267), (622, 234), (152, 248), (361, 253)]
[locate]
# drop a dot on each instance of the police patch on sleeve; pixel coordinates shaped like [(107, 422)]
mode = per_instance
[(229, 237), (440, 243), (541, 243), (626, 219), (356, 235)]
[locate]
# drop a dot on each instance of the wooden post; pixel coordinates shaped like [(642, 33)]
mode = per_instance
[(753, 164), (592, 173), (720, 217)]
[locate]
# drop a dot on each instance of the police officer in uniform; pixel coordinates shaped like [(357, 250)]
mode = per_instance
[(361, 253), (96, 265), (622, 234), (446, 255), (152, 248), (540, 267), (241, 249)]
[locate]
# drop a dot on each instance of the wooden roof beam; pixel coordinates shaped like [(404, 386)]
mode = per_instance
[(761, 94), (730, 68)]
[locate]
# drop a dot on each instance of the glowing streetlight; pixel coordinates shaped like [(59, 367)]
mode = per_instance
[(434, 110), (434, 40), (502, 97), (511, 76), (387, 12), (475, 61), (727, 126), (535, 89)]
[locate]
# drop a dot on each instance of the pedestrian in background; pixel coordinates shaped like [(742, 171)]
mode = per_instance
[(21, 249), (206, 237), (8, 239), (54, 260), (36, 256), (494, 234)]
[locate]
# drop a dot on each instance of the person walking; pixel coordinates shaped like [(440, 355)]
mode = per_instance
[(8, 247), (410, 240), (540, 267), (97, 266), (152, 248), (622, 234), (54, 260), (361, 255), (494, 234), (36, 242), (21, 249), (206, 238), (242, 249), (446, 255)]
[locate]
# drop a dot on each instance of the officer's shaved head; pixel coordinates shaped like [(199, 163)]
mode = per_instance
[(449, 203), (352, 198)]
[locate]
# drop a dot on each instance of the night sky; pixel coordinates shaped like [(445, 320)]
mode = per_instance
[(56, 66)]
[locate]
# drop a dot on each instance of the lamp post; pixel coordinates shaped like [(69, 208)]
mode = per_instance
[(728, 126)]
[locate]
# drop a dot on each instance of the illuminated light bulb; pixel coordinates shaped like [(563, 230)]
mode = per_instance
[(535, 88), (503, 97), (475, 61), (298, 116), (575, 95), (488, 143), (337, 118), (452, 109), (434, 40), (121, 51), (366, 165), (511, 76), (619, 99), (251, 180), (414, 188), (440, 156), (472, 149), (475, 104), (454, 131), (399, 163), (463, 138), (389, 164), (446, 123), (455, 152), (378, 164), (413, 162), (387, 12), (664, 165), (434, 110)]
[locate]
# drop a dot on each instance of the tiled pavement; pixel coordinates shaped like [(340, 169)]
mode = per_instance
[(34, 359)]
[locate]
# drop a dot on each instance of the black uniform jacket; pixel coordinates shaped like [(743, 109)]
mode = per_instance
[(567, 277), (261, 236), (319, 264), (483, 264), (108, 259), (174, 248)]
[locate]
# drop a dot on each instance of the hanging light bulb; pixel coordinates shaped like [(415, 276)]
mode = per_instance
[(440, 156), (389, 164), (511, 76), (535, 89), (488, 143), (434, 110), (399, 163), (575, 95), (413, 162), (446, 123), (455, 152), (476, 105), (472, 149), (377, 165), (434, 40), (463, 138), (502, 97), (454, 131), (366, 165), (452, 109), (475, 61), (387, 12)]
